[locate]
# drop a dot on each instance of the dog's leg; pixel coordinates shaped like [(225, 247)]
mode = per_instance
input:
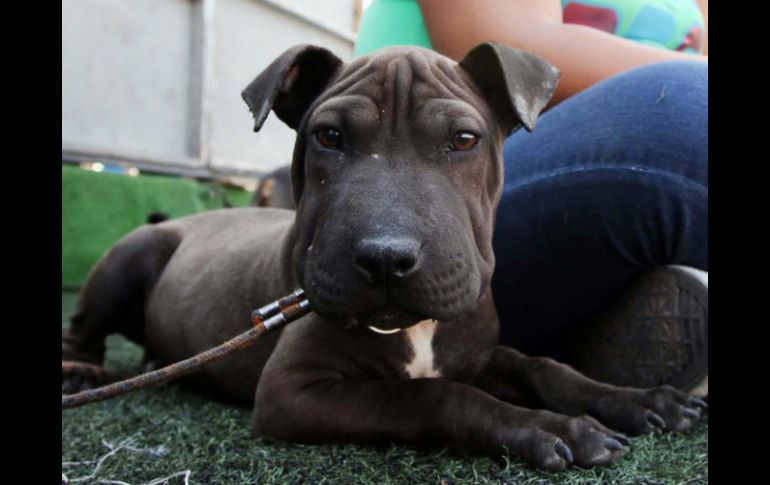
[(322, 406), (543, 382), (113, 298)]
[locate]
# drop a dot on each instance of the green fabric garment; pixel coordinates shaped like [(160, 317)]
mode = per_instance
[(391, 22), (666, 24)]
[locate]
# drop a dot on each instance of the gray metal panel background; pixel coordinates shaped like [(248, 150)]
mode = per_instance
[(158, 82), (125, 76), (245, 42)]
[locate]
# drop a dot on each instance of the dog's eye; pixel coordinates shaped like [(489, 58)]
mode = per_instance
[(463, 140), (329, 138)]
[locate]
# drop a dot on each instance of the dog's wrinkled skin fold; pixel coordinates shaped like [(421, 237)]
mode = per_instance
[(393, 229)]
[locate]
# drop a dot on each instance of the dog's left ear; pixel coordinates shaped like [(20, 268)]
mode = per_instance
[(515, 83), (290, 84)]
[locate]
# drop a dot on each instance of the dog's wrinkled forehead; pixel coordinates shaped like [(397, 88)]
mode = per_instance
[(493, 88), (403, 77)]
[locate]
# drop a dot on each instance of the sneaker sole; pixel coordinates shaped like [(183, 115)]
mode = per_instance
[(655, 334)]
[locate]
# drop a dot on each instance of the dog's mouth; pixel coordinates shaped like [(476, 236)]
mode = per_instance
[(389, 318), (444, 290)]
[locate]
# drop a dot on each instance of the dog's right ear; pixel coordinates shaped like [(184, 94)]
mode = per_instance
[(290, 84)]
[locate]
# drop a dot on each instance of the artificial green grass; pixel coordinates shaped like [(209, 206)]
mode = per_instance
[(180, 431), (100, 208)]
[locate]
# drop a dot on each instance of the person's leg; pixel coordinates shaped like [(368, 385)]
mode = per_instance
[(612, 183)]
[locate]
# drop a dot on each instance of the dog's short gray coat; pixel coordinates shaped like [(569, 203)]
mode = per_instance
[(397, 172)]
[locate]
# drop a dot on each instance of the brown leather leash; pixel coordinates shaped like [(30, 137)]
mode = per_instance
[(271, 316)]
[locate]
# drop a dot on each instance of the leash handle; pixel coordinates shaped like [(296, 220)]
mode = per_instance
[(271, 316)]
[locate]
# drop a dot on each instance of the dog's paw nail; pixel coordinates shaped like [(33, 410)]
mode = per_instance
[(655, 420), (622, 439), (699, 402), (690, 413), (612, 444), (563, 451)]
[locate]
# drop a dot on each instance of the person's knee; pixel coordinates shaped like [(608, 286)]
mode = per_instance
[(664, 97), (655, 116), (691, 74)]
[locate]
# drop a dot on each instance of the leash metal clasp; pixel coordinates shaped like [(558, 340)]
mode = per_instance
[(283, 311)]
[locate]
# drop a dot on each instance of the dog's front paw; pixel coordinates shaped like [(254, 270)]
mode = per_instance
[(640, 411), (556, 441)]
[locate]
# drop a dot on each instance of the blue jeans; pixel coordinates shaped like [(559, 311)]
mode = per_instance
[(612, 182)]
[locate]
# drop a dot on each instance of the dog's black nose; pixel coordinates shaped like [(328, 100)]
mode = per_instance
[(386, 261)]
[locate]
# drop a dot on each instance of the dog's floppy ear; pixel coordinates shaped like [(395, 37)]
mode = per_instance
[(515, 83), (290, 84)]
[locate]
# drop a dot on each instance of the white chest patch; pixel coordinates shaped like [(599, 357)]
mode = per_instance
[(420, 337)]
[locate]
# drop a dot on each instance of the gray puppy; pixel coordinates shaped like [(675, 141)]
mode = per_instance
[(397, 172)]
